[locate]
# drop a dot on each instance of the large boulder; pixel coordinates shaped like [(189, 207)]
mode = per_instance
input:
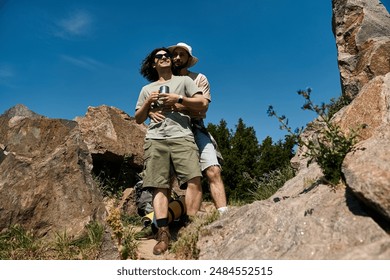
[(45, 175), (368, 112), (367, 171), (304, 220), (111, 134), (362, 32)]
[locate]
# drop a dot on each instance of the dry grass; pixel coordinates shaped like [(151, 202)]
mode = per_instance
[(185, 248), (16, 243)]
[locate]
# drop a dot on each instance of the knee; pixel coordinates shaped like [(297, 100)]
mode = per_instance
[(213, 173)]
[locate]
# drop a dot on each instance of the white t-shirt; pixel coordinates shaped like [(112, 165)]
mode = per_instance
[(175, 124)]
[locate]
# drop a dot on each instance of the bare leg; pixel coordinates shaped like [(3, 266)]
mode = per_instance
[(193, 196), (217, 187), (160, 203)]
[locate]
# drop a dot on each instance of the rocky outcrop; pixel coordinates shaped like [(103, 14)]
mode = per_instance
[(46, 166), (110, 134), (367, 167), (45, 175), (115, 142), (362, 32), (367, 172), (306, 219), (20, 111)]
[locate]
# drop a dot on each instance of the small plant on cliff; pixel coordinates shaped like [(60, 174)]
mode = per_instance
[(269, 183), (185, 247), (124, 235), (331, 145)]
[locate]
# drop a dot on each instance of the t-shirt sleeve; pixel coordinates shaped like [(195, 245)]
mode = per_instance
[(191, 87), (204, 85), (141, 98)]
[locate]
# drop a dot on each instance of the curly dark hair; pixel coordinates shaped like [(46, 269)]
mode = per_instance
[(147, 70)]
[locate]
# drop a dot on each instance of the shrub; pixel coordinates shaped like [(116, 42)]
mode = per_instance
[(124, 235), (331, 146)]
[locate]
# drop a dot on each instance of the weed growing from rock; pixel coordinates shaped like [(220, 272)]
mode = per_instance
[(185, 248), (269, 183), (125, 236), (331, 144)]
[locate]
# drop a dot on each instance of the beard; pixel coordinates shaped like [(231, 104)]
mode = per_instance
[(182, 66), (179, 67)]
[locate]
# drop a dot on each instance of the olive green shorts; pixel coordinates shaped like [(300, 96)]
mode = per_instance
[(159, 154)]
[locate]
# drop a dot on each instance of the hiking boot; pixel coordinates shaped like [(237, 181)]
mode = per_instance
[(163, 238)]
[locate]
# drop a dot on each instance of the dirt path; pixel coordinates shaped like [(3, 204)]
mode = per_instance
[(145, 251)]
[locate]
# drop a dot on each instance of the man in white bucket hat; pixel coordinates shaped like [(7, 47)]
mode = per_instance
[(190, 61), (182, 60)]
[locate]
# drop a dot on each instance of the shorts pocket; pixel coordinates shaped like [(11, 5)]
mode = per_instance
[(147, 148), (191, 144)]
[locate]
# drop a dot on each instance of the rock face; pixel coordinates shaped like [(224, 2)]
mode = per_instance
[(115, 142), (370, 107), (362, 31), (367, 168), (46, 166), (367, 172), (306, 219), (303, 220), (45, 175), (111, 133)]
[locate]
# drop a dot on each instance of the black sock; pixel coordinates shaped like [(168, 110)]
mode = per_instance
[(162, 222)]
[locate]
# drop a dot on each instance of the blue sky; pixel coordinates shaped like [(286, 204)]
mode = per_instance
[(59, 57)]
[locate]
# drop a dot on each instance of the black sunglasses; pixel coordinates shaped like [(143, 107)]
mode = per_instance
[(161, 55)]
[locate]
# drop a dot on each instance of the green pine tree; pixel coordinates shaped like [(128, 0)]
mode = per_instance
[(273, 156), (245, 161)]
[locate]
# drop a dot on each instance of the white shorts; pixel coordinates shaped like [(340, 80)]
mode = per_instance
[(207, 151)]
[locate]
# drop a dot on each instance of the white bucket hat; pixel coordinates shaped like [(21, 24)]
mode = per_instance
[(188, 48)]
